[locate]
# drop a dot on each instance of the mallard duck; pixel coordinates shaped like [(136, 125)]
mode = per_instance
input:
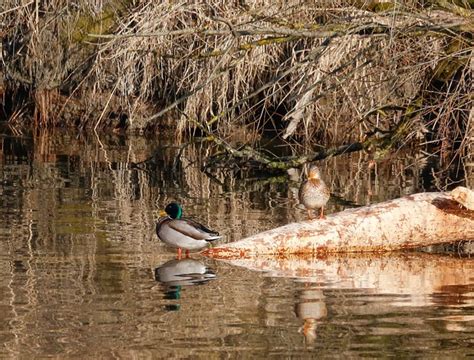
[(182, 233), (314, 194)]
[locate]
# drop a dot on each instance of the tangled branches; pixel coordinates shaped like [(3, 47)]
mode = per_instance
[(311, 74)]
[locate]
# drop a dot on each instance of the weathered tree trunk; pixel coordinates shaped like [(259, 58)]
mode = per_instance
[(412, 221)]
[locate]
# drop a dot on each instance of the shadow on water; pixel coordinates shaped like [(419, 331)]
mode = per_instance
[(77, 245)]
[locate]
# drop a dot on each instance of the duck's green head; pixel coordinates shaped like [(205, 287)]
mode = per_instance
[(174, 210)]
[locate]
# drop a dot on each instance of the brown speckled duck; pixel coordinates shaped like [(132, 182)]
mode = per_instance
[(314, 194)]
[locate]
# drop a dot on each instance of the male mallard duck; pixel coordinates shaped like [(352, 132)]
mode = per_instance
[(182, 233), (314, 194)]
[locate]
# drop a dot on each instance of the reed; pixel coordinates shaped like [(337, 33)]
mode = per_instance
[(315, 73)]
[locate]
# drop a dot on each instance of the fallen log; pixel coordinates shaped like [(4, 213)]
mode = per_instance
[(412, 221)]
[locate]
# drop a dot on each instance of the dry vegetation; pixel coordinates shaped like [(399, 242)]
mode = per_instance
[(331, 72)]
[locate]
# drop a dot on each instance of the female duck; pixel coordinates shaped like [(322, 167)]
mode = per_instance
[(314, 194), (183, 233)]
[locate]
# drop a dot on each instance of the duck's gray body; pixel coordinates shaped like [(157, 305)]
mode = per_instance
[(184, 233)]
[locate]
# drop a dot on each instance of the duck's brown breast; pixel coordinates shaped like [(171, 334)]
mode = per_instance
[(314, 194)]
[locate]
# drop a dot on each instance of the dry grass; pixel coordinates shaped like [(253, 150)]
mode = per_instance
[(322, 73)]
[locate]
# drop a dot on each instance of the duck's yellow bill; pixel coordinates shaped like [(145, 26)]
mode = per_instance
[(162, 213)]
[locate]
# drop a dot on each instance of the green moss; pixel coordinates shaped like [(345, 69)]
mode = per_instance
[(88, 24), (448, 67), (376, 6), (100, 24), (459, 7)]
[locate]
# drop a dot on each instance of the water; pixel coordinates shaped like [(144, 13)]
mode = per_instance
[(82, 274)]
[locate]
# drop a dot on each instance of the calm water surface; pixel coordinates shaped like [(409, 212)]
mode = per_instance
[(82, 274)]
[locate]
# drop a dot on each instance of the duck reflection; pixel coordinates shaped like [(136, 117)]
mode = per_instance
[(184, 272), (177, 273), (310, 308)]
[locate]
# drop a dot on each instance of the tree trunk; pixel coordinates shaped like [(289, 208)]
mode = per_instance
[(409, 222)]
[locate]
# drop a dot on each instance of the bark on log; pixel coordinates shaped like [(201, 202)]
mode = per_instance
[(409, 222)]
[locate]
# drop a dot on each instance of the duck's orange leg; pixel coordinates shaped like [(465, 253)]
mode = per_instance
[(180, 252), (321, 213), (187, 253)]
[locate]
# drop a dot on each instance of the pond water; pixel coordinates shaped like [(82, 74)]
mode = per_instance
[(82, 274)]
